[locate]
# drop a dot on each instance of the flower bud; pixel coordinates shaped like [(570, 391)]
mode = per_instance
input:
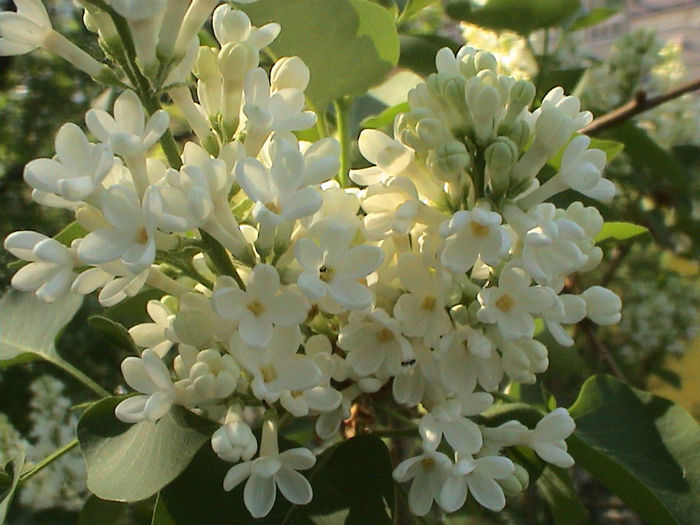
[(235, 60), (500, 156), (519, 133), (289, 72), (449, 159), (485, 60), (516, 482), (602, 305), (234, 442)]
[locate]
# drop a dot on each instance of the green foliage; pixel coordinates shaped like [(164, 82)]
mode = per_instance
[(641, 447), (418, 51), (359, 43), (386, 118), (115, 333), (29, 327), (592, 18), (103, 512), (558, 490), (133, 462), (521, 16), (351, 482), (620, 231), (9, 486)]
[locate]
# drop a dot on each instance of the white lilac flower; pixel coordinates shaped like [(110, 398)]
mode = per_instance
[(547, 439), (446, 419), (50, 272), (78, 169), (233, 25), (523, 358), (278, 192), (130, 231), (550, 249), (373, 341), (268, 111), (29, 28), (289, 72), (155, 335), (421, 311), (234, 442), (128, 133), (602, 305), (270, 471), (149, 376), (333, 267), (570, 310), (467, 356), (277, 367), (321, 398), (196, 322), (415, 379), (429, 473), (206, 375), (388, 156), (261, 305), (510, 305), (470, 235), (477, 476)]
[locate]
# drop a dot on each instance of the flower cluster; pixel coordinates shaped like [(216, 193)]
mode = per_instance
[(285, 292)]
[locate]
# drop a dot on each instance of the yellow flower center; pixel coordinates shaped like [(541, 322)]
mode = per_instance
[(505, 303), (479, 230), (385, 335), (325, 273), (428, 463), (256, 308), (429, 303), (269, 374), (273, 207), (142, 236)]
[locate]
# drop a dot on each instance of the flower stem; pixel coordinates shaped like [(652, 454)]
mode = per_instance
[(47, 461), (220, 258), (342, 110), (77, 374)]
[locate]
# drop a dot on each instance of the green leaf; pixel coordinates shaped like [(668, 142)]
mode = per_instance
[(612, 149), (351, 482), (620, 231), (133, 462), (642, 447), (132, 310), (418, 51), (386, 118), (593, 17), (521, 16), (115, 333), (71, 232), (413, 7), (359, 43), (559, 493), (566, 78), (97, 510), (29, 327), (7, 491)]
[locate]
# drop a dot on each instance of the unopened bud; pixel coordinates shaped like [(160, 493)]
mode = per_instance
[(289, 72), (516, 482), (500, 156), (234, 442), (235, 61), (485, 60), (206, 65), (449, 159), (519, 133)]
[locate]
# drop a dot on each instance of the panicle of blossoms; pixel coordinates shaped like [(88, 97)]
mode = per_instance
[(285, 293)]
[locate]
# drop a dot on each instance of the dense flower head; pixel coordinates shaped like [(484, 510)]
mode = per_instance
[(286, 293)]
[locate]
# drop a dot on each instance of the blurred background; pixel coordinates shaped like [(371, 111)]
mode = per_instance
[(608, 54)]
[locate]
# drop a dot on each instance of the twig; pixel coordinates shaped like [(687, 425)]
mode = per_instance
[(602, 350), (640, 104)]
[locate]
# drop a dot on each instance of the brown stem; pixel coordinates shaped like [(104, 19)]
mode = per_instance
[(602, 350), (640, 104)]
